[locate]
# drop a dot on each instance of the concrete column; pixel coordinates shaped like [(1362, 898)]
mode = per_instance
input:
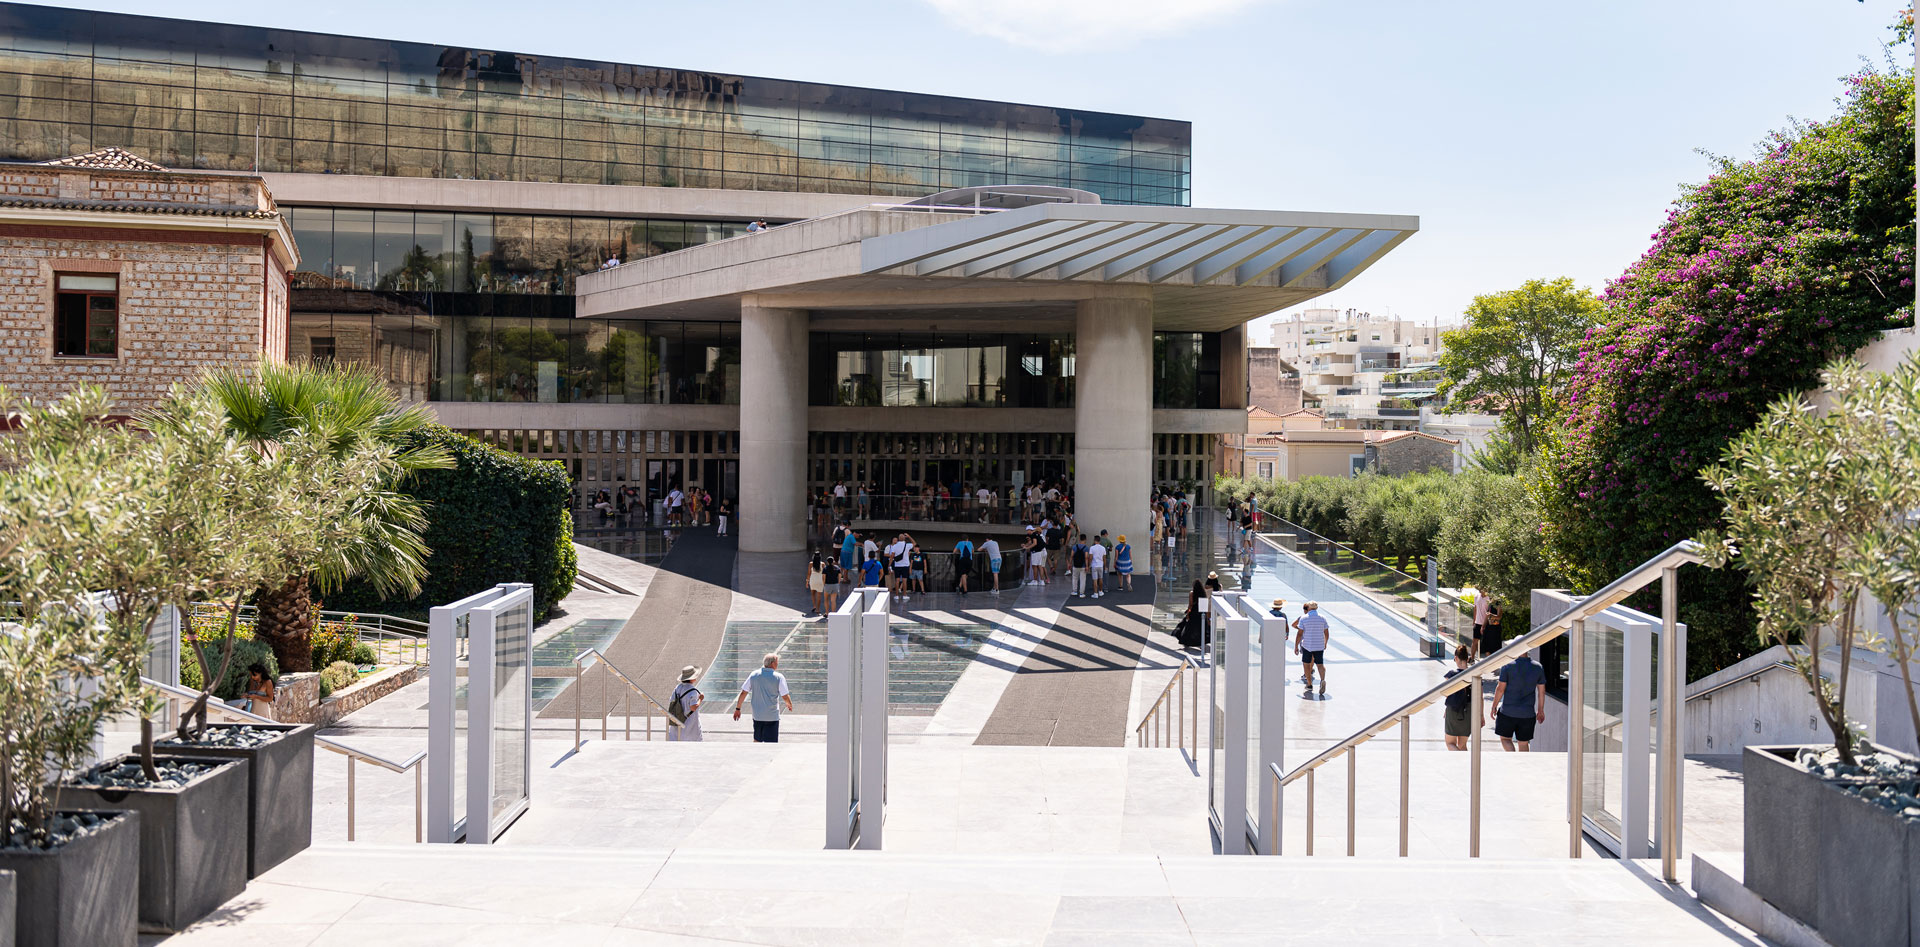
[(1233, 367), (1113, 420), (773, 429)]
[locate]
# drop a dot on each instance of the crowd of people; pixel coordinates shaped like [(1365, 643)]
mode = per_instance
[(684, 508)]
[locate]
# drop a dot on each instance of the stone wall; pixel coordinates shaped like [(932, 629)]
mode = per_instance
[(297, 698), (1405, 455)]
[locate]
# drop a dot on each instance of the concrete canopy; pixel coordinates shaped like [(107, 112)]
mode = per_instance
[(1203, 269)]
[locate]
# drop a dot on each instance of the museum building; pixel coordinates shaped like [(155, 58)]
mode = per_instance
[(555, 255)]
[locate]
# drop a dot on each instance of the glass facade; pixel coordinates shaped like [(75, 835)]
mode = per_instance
[(223, 97), (344, 248), (519, 359), (991, 370)]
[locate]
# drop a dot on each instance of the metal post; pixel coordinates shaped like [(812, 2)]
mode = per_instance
[(350, 797), (1479, 712), (627, 703), (1180, 700), (1576, 733), (1353, 778), (1310, 809), (579, 684), (649, 721), (1406, 758), (418, 823), (1273, 817), (1671, 703), (1194, 718)]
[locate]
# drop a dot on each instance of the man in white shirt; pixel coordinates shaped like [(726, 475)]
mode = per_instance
[(901, 555), (1097, 568), (985, 496), (674, 500), (991, 549), (1310, 643)]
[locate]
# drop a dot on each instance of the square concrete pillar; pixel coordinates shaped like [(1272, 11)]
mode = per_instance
[(773, 429), (1113, 420)]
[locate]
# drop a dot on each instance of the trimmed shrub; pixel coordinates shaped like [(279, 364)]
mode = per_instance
[(332, 641), (246, 652), (363, 655), (1758, 277), (337, 676), (493, 517)]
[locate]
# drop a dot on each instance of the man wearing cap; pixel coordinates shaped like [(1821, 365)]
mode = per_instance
[(1311, 645), (689, 698), (767, 687)]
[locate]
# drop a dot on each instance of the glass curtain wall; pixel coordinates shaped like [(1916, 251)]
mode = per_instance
[(523, 359), (1186, 370), (437, 251), (928, 369), (224, 97)]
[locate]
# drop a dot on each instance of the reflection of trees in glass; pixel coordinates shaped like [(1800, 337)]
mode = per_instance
[(506, 365), (418, 270), (630, 364)]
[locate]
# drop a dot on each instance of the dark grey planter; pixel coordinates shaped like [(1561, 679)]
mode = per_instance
[(193, 842), (6, 908), (81, 894), (1843, 866), (279, 791)]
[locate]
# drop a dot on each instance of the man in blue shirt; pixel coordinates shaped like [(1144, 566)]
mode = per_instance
[(1521, 696), (767, 687), (870, 571)]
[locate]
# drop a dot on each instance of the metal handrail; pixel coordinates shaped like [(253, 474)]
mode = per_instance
[(352, 753), (367, 625), (1570, 621), (581, 662), (1186, 729)]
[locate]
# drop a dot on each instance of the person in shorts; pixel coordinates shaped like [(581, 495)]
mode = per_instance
[(1459, 707), (917, 569), (1521, 696), (830, 576), (1310, 642), (962, 563), (870, 572), (991, 549)]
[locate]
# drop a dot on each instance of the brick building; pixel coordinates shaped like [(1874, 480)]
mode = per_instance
[(118, 272)]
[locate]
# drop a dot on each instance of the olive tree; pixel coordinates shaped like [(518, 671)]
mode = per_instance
[(1818, 508)]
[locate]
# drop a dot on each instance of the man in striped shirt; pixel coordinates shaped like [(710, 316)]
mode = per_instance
[(1310, 643)]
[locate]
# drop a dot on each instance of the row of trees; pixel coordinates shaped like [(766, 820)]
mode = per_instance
[(1481, 526)]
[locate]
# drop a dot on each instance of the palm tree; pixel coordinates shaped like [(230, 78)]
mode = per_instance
[(357, 417)]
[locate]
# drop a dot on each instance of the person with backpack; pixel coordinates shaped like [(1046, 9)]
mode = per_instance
[(870, 571), (830, 575), (1077, 568), (962, 563), (683, 708)]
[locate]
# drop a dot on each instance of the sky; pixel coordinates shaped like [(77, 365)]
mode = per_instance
[(1531, 139)]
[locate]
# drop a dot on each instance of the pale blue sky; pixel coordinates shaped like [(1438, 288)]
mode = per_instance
[(1532, 139)]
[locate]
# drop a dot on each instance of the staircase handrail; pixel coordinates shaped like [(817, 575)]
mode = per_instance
[(1685, 552)]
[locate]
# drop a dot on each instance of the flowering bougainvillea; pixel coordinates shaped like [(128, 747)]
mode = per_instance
[(1755, 280)]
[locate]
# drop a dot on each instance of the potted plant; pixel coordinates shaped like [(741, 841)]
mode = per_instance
[(61, 661), (1820, 508)]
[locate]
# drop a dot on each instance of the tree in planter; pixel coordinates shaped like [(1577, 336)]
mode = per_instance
[(63, 661), (358, 421), (1817, 504)]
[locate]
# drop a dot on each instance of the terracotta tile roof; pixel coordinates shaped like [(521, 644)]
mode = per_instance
[(107, 159), (138, 207)]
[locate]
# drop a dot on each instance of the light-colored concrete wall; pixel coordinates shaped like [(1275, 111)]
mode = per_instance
[(514, 416), (1199, 420), (1319, 460), (773, 429), (1113, 415), (356, 190)]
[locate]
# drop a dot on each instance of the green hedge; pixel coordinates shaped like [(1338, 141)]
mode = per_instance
[(493, 517)]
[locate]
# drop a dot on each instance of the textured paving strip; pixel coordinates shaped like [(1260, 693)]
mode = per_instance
[(679, 622), (1074, 688)]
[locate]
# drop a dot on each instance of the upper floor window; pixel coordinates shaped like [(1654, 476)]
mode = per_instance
[(86, 315)]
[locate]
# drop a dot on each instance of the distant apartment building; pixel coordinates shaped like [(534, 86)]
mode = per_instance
[(119, 273), (1363, 371)]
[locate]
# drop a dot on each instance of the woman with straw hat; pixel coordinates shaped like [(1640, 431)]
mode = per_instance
[(683, 710)]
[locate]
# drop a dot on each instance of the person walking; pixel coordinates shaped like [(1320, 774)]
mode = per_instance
[(816, 585), (1481, 603), (1036, 557), (1190, 631), (830, 578), (766, 687), (900, 556), (683, 708), (1310, 642), (991, 550), (1123, 564), (1459, 703), (1490, 638), (962, 563), (1521, 699)]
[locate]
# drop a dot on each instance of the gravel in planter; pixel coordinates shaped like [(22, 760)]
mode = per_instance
[(59, 900), (63, 828), (1886, 780), (173, 775), (193, 832), (238, 736)]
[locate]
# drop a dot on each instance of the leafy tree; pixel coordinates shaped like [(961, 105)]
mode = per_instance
[(1818, 509), (353, 420), (1491, 541), (1758, 277), (1515, 351)]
